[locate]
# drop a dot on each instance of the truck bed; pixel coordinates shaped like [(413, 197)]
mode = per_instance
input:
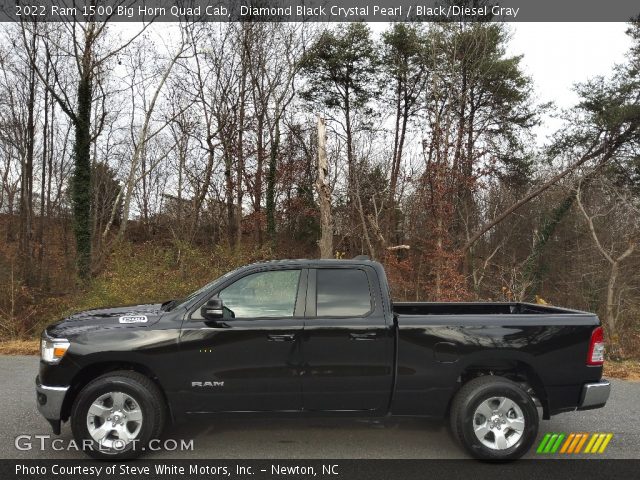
[(439, 342), (478, 308)]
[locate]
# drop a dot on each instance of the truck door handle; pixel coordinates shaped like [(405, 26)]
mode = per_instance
[(289, 337), (363, 336)]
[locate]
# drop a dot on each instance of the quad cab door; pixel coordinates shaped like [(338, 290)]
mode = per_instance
[(250, 359), (348, 346)]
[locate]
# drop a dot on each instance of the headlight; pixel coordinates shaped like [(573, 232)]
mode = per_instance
[(53, 349)]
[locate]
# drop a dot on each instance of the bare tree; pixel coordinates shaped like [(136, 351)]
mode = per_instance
[(140, 143), (621, 225), (83, 42)]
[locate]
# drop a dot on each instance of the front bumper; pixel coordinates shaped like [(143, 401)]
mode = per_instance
[(594, 395), (49, 400)]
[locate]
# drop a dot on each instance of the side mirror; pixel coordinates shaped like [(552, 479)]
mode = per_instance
[(212, 310)]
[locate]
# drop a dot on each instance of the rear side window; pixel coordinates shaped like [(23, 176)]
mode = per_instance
[(342, 292)]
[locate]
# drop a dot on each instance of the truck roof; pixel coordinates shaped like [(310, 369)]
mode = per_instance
[(318, 261)]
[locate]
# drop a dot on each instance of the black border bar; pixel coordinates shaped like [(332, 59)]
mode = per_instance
[(320, 10)]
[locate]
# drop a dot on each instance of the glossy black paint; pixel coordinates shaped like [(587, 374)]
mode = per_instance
[(349, 360), (404, 359), (434, 352)]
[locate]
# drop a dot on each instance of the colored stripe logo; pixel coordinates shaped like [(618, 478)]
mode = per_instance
[(574, 443)]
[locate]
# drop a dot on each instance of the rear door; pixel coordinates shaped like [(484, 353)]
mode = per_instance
[(347, 347)]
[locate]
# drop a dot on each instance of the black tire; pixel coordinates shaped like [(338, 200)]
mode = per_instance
[(143, 390), (471, 396)]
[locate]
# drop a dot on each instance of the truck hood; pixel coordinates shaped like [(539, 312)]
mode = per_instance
[(134, 316)]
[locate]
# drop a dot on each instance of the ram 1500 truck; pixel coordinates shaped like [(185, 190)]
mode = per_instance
[(300, 337)]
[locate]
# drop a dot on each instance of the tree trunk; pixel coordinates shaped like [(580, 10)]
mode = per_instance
[(271, 184), (363, 221), (231, 217), (324, 195), (240, 151), (611, 288), (350, 161), (402, 120), (43, 180), (200, 198), (81, 181), (257, 194), (26, 193)]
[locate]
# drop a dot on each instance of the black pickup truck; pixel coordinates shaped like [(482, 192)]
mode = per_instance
[(300, 337)]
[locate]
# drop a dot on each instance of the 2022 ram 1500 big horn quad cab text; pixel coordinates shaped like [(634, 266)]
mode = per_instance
[(318, 336)]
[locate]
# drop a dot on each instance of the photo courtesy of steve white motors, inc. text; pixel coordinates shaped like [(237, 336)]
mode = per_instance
[(169, 469)]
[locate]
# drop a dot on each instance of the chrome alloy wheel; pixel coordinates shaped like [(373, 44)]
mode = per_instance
[(114, 420), (498, 423)]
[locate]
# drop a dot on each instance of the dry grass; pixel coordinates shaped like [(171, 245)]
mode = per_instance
[(625, 369), (20, 347)]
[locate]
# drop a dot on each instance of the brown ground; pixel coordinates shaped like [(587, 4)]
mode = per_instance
[(20, 347), (625, 369)]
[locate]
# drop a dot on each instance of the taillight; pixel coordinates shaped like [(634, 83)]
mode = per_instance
[(596, 347)]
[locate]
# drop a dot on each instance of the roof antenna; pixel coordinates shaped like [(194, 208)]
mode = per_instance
[(361, 257)]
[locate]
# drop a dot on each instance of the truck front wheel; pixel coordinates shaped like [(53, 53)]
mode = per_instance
[(117, 414), (494, 418)]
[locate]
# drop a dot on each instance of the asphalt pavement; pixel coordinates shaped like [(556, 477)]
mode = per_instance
[(295, 438)]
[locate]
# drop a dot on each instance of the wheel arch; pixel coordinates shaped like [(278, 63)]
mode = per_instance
[(516, 369), (94, 370)]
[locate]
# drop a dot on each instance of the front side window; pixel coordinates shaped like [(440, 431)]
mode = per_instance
[(262, 294), (342, 292)]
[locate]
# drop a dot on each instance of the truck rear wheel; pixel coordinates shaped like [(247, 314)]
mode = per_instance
[(117, 414), (494, 418)]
